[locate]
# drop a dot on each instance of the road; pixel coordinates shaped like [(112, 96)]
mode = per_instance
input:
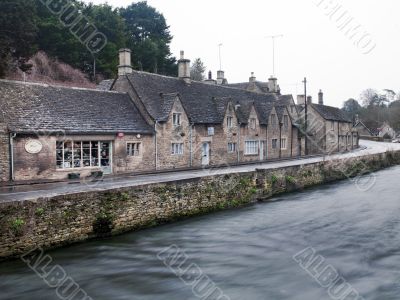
[(29, 192)]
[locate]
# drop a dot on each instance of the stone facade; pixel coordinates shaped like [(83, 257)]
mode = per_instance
[(329, 136), (4, 155), (43, 165), (60, 220)]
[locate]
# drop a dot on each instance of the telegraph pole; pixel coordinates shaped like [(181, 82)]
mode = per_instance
[(273, 37), (305, 117)]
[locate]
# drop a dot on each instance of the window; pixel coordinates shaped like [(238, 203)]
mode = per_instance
[(82, 154), (231, 147), (274, 143), (283, 144), (273, 121), (229, 122), (176, 118), (251, 148), (286, 121), (210, 131), (177, 149), (133, 149), (253, 123)]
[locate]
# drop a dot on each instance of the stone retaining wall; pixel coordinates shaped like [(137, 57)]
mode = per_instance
[(60, 220)]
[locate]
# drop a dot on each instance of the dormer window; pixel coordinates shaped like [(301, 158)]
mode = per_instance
[(253, 123), (229, 122), (273, 121), (285, 121), (176, 119)]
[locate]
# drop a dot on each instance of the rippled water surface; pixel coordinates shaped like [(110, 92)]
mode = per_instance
[(247, 252)]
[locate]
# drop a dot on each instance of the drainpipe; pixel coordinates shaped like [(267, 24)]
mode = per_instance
[(156, 145), (338, 136), (191, 145), (266, 144), (291, 141), (280, 140), (238, 145), (12, 137)]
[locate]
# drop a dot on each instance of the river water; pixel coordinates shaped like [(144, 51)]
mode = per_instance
[(248, 252)]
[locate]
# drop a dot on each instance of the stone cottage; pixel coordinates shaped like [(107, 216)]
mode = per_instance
[(145, 122)]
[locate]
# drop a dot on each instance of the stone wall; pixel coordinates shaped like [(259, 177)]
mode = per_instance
[(60, 220)]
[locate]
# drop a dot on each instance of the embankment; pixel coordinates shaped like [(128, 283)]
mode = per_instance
[(61, 220)]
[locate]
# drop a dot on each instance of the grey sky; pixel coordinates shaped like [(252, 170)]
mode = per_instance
[(312, 45)]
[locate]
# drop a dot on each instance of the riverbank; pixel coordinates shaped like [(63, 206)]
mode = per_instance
[(58, 220)]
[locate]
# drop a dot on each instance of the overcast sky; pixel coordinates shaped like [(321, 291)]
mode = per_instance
[(312, 44)]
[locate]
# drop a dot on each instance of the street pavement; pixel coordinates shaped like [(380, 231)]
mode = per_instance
[(29, 192)]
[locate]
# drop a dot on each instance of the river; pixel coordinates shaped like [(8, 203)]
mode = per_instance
[(247, 252)]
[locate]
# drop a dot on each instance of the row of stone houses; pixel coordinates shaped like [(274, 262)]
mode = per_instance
[(145, 122)]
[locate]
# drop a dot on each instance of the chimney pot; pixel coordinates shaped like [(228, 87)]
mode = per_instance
[(221, 77), (125, 65), (184, 68), (321, 97), (309, 99), (273, 86), (252, 77)]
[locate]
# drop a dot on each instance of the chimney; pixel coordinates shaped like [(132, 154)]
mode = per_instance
[(210, 80), (300, 100), (125, 66), (273, 86), (221, 77), (309, 99), (252, 78), (321, 97), (184, 68)]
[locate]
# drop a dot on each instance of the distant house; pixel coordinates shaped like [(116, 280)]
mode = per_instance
[(386, 130)]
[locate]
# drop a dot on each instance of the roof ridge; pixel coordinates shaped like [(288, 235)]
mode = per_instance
[(202, 83)]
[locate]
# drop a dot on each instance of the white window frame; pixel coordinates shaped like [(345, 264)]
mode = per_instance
[(283, 143), (133, 151), (177, 148), (229, 122), (177, 119), (232, 147), (70, 165), (251, 147)]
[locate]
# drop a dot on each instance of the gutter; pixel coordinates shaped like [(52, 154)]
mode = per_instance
[(11, 145), (238, 145)]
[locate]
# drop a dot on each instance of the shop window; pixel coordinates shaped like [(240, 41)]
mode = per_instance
[(82, 154)]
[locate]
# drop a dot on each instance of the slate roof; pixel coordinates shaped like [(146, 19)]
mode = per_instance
[(198, 98), (31, 108), (331, 113), (263, 86), (105, 85)]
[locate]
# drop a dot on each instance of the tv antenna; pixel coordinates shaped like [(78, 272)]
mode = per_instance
[(274, 37), (220, 59)]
